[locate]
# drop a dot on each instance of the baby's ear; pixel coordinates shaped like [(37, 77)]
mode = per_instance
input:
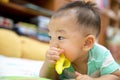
[(89, 42)]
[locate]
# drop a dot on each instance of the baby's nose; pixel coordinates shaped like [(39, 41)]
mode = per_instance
[(54, 44)]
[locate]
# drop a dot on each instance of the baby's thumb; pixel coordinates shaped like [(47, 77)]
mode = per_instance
[(77, 73)]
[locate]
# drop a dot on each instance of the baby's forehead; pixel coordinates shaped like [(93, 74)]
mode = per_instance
[(63, 22), (57, 30)]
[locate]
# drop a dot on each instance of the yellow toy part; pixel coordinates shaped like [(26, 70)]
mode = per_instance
[(61, 64)]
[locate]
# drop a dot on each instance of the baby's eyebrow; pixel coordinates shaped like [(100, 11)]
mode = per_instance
[(60, 31)]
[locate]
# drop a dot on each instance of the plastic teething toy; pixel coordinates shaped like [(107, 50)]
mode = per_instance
[(61, 64)]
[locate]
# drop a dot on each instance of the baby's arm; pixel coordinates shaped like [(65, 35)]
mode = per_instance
[(114, 76), (48, 68), (48, 71)]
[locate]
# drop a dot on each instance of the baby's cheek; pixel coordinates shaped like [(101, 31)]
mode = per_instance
[(70, 57)]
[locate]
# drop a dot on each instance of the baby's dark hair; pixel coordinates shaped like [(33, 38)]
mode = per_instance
[(86, 13)]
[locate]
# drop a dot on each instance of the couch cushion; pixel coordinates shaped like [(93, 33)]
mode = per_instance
[(33, 49), (9, 43)]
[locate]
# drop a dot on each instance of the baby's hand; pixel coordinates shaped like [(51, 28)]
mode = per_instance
[(82, 77), (53, 54), (48, 68)]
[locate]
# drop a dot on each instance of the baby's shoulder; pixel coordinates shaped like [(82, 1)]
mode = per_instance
[(99, 52), (99, 49)]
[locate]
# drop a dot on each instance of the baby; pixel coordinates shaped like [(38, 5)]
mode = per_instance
[(73, 30)]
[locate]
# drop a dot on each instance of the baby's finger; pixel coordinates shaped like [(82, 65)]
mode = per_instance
[(52, 55), (57, 49), (83, 77), (77, 73), (52, 52), (80, 78)]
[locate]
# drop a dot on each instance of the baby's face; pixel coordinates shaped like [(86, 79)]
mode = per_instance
[(66, 34)]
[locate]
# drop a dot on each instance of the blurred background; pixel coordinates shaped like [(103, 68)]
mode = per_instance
[(23, 28)]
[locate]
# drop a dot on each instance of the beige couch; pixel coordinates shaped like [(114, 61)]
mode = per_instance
[(13, 45)]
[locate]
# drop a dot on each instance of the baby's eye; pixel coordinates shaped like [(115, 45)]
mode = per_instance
[(60, 38)]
